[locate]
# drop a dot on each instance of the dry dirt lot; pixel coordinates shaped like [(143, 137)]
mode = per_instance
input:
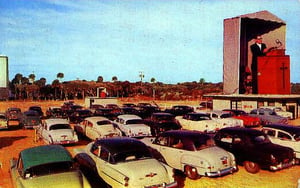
[(13, 141)]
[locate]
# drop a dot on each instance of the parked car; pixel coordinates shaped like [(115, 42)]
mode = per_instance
[(161, 122), (54, 112), (225, 119), (115, 108), (48, 166), (198, 121), (125, 162), (3, 121), (192, 152), (57, 131), (253, 149), (279, 111), (249, 121), (13, 116), (31, 119), (132, 126), (38, 109), (206, 105), (268, 116), (105, 112), (79, 115), (285, 135), (179, 110), (145, 110), (97, 127)]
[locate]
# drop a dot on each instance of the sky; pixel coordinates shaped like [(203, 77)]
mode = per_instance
[(172, 41)]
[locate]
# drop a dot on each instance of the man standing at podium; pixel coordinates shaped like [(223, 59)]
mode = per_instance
[(257, 49)]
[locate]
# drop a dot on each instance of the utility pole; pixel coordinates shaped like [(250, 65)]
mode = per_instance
[(141, 75)]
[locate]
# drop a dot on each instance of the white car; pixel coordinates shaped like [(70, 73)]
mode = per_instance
[(57, 131), (279, 111), (192, 152), (125, 162), (132, 126), (97, 127), (225, 119), (198, 121), (285, 135)]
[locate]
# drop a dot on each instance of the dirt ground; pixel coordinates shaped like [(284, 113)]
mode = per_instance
[(13, 141)]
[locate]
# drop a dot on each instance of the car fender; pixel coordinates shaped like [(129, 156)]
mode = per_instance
[(194, 161)]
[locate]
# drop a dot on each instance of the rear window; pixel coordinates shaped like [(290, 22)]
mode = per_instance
[(60, 126), (105, 122)]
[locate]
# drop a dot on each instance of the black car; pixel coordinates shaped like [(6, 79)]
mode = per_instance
[(54, 112), (31, 119), (253, 149), (38, 109), (161, 122), (79, 115), (180, 110)]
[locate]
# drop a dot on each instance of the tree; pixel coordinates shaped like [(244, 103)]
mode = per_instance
[(202, 81), (152, 80), (31, 78), (114, 79), (60, 76), (100, 79)]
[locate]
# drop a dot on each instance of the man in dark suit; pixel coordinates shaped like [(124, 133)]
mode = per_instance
[(257, 49)]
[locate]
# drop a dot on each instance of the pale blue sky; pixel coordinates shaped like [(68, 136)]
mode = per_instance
[(170, 40)]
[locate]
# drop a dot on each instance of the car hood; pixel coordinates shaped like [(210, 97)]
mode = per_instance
[(72, 179), (276, 150), (144, 172)]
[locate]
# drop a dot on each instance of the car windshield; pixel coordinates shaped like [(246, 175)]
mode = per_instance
[(199, 117), (227, 115), (260, 139), (51, 168), (204, 143), (104, 122), (60, 126), (131, 156), (134, 121)]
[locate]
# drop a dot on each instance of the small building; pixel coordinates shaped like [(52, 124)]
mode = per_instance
[(248, 102), (4, 92)]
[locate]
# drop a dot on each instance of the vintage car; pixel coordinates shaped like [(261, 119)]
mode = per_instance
[(268, 116), (253, 149), (145, 110), (285, 135), (54, 112), (105, 112), (249, 121), (57, 131), (48, 166), (78, 115), (162, 121), (179, 110), (198, 121), (192, 152), (3, 121), (132, 126), (97, 127), (279, 111), (13, 116), (225, 119), (38, 109), (125, 162), (31, 119)]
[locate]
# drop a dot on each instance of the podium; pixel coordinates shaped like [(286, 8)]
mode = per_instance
[(273, 73)]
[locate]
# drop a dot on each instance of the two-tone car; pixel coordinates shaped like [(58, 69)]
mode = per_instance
[(57, 131), (97, 127), (254, 150), (125, 162), (285, 135), (132, 125), (192, 152), (225, 119), (198, 121), (249, 121), (48, 166)]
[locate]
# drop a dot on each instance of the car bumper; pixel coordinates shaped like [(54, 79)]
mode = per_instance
[(65, 142), (223, 172), (282, 165), (169, 185)]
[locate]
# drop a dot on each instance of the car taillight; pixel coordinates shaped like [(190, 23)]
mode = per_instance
[(126, 179)]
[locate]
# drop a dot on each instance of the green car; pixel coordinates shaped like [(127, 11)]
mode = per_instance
[(48, 166)]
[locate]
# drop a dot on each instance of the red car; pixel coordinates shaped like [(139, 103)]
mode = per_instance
[(249, 121)]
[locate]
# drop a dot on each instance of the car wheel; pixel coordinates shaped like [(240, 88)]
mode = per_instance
[(251, 167), (191, 172)]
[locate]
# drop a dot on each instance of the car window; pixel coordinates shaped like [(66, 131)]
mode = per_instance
[(260, 139), (237, 140), (284, 136), (95, 150), (162, 141), (49, 168), (134, 121), (202, 144), (104, 154), (60, 126), (270, 132), (103, 122), (176, 143), (225, 138)]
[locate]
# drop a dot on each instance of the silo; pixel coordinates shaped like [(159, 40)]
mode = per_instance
[(3, 71)]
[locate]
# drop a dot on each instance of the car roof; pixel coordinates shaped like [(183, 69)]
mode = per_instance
[(121, 144), (162, 114), (183, 134), (241, 130), (94, 119), (288, 128), (129, 116), (56, 121), (44, 155)]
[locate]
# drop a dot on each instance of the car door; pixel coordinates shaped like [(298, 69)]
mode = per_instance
[(171, 149)]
